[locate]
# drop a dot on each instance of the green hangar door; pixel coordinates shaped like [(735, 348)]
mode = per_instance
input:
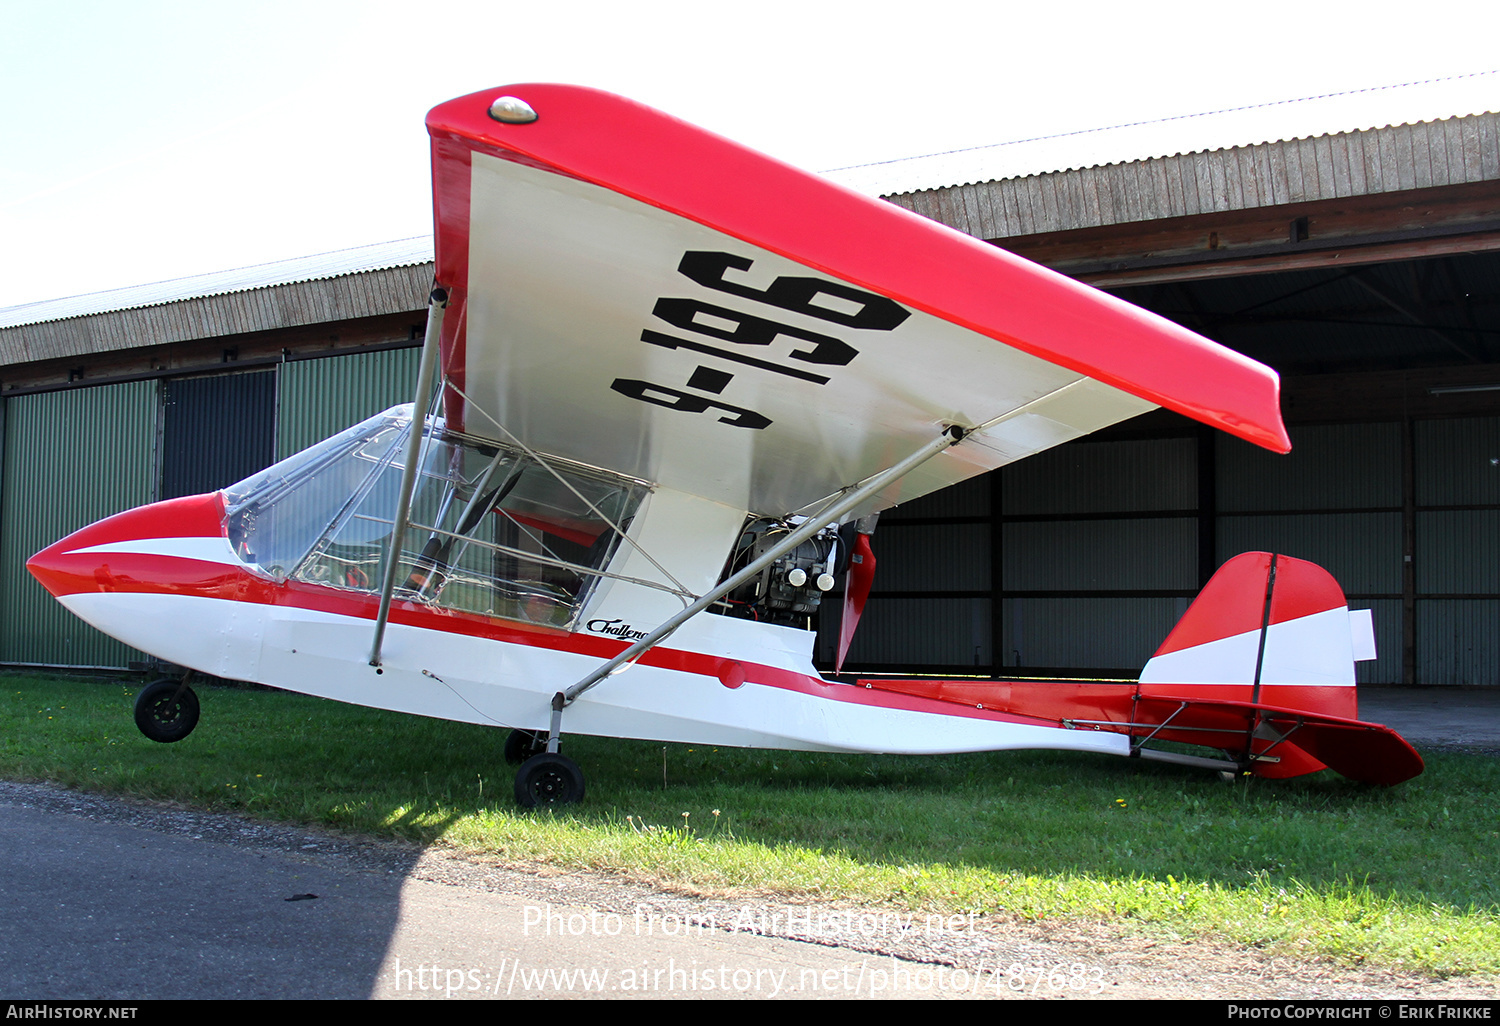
[(216, 431), (72, 456)]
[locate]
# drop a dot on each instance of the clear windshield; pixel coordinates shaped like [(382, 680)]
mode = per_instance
[(279, 514), (492, 531)]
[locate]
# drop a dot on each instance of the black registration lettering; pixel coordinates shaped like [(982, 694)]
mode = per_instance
[(656, 338), (672, 399), (750, 330), (800, 294)]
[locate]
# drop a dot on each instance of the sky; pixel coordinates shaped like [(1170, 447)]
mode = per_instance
[(148, 140)]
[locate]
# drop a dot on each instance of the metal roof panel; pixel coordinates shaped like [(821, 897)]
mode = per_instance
[(379, 256), (1282, 121)]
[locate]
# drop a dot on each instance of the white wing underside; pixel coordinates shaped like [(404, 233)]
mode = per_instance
[(566, 276)]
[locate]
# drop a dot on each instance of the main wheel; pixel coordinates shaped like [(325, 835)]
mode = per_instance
[(522, 745), (549, 779), (166, 710)]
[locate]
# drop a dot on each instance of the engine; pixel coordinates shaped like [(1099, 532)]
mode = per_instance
[(790, 590)]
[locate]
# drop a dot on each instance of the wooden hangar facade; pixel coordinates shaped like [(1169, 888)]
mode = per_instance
[(1363, 266)]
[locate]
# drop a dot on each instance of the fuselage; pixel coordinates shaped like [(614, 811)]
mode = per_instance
[(166, 579)]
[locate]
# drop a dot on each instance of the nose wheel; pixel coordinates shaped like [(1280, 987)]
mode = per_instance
[(166, 710)]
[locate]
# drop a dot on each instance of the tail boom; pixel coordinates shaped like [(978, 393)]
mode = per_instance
[(1260, 667)]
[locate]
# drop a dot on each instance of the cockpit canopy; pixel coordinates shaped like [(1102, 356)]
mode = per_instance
[(492, 530)]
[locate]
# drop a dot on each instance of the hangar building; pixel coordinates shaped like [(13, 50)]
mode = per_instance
[(1364, 266)]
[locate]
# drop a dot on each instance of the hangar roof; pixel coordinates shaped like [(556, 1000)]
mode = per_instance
[(1289, 120), (381, 255)]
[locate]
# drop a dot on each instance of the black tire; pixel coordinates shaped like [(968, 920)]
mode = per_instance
[(163, 714), (524, 744), (547, 781)]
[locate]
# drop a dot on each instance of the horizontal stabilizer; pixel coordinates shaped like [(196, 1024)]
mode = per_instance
[(1367, 752)]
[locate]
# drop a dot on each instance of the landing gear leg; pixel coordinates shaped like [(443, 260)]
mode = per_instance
[(546, 778), (166, 710)]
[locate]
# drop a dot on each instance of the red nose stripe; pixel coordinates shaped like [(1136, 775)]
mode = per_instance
[(192, 516)]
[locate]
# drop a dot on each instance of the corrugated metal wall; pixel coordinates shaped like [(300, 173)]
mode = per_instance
[(1336, 500), (1457, 550), (71, 458), (1100, 550), (931, 605), (1093, 547), (1078, 634), (1082, 558), (319, 398), (1136, 476)]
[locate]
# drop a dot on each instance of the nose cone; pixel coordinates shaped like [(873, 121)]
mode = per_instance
[(82, 561), (50, 565)]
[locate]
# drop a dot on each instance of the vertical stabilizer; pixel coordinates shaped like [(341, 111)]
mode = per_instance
[(1271, 630)]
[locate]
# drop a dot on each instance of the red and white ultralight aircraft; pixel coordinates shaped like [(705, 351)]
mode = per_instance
[(677, 381)]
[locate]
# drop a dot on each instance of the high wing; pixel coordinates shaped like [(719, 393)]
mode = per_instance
[(636, 294)]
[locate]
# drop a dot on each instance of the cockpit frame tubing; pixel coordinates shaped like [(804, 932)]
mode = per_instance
[(437, 306)]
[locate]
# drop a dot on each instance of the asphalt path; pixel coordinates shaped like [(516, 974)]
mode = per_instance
[(107, 899)]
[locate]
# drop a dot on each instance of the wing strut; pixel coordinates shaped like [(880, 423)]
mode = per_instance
[(843, 503), (437, 305)]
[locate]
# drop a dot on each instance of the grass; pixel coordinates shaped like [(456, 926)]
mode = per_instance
[(1399, 877)]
